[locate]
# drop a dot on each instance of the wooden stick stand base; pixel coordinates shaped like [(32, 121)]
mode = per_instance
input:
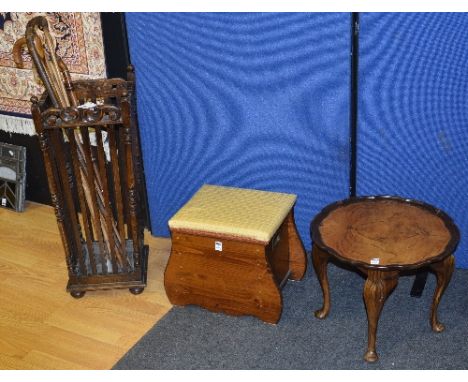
[(135, 281)]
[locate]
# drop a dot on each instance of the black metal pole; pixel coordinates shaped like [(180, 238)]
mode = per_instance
[(353, 102), (421, 277)]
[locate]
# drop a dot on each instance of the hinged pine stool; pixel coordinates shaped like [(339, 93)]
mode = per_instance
[(232, 251)]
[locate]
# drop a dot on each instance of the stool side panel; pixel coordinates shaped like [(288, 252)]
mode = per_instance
[(277, 252), (297, 252), (237, 280)]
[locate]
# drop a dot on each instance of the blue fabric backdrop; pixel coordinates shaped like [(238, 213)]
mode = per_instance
[(248, 100), (413, 111)]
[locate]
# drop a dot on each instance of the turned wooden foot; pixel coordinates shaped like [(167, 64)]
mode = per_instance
[(320, 262), (377, 288), (443, 270), (77, 294), (136, 290)]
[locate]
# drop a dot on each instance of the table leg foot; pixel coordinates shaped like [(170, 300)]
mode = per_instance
[(371, 356), (321, 313), (320, 262), (443, 270), (378, 286)]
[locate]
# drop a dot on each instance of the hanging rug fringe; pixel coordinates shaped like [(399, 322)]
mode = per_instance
[(17, 125)]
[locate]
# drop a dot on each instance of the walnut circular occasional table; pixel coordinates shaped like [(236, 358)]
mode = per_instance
[(381, 236)]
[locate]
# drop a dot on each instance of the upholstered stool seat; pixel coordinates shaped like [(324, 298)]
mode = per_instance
[(233, 249)]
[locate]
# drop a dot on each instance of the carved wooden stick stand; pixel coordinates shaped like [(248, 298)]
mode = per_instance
[(95, 175)]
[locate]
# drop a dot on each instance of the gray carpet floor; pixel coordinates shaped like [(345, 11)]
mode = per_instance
[(194, 338)]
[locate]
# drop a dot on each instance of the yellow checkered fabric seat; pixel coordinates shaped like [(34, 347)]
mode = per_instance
[(244, 213)]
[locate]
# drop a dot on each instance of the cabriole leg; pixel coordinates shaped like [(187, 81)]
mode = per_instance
[(320, 262), (378, 286), (443, 270)]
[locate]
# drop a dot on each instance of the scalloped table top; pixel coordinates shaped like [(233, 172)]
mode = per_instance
[(384, 232)]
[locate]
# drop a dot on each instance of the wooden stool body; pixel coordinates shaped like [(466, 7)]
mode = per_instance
[(245, 278)]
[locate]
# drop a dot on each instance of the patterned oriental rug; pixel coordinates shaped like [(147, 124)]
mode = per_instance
[(79, 43)]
